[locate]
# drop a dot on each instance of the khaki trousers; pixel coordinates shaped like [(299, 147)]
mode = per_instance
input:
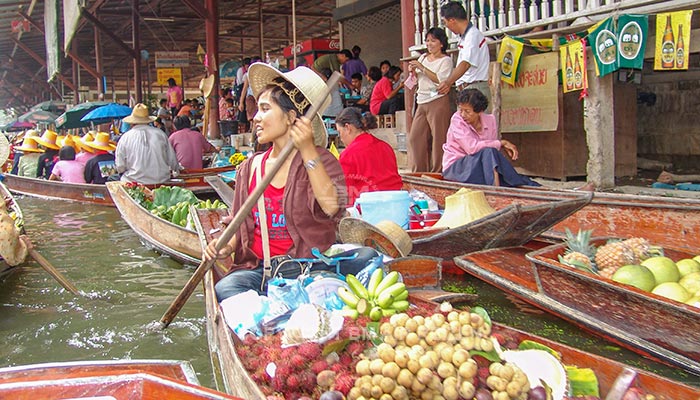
[(428, 134)]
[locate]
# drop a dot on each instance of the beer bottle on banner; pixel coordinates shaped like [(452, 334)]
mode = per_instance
[(668, 46), (578, 75), (680, 49), (569, 71)]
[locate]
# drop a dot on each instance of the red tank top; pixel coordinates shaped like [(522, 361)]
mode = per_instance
[(280, 241)]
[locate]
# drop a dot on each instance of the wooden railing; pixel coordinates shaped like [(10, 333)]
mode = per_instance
[(516, 17)]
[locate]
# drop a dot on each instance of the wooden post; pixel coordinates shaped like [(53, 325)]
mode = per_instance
[(98, 60), (495, 84), (211, 28), (408, 27), (136, 37), (599, 124)]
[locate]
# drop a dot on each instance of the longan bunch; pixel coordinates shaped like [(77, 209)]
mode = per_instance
[(507, 382)]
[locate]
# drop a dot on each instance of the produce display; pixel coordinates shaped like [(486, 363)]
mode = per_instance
[(171, 203), (638, 263), (384, 296)]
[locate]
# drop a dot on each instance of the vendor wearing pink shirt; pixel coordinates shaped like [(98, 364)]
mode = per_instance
[(175, 96), (472, 151), (67, 169), (189, 145)]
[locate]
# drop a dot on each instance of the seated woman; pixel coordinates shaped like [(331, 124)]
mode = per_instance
[(385, 99), (29, 162), (306, 198), (67, 169), (471, 154), (369, 164)]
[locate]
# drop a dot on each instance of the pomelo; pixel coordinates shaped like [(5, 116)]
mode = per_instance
[(663, 268), (697, 258), (673, 291), (687, 266), (691, 282), (638, 276), (694, 301)]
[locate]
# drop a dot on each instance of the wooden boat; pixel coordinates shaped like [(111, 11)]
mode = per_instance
[(120, 379), (663, 221), (643, 322), (98, 194), (511, 226), (232, 377), (81, 192), (12, 207), (165, 237)]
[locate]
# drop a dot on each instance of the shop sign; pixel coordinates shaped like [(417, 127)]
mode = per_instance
[(172, 59)]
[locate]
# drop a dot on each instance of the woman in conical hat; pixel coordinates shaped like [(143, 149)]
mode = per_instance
[(85, 152), (305, 200), (29, 162), (50, 156)]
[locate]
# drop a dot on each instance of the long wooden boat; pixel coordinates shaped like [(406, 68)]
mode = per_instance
[(98, 194), (233, 378), (664, 221), (127, 379), (643, 322), (511, 226), (165, 237), (12, 207)]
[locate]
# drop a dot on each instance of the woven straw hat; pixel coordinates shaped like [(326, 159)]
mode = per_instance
[(67, 140), (206, 85), (82, 143), (139, 115), (307, 81), (48, 139), (29, 145), (386, 237), (102, 142)]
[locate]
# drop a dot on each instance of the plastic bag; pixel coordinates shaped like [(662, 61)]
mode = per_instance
[(287, 291), (364, 275)]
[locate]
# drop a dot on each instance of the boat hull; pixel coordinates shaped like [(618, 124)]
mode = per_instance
[(165, 237), (420, 273), (194, 179), (81, 192), (663, 221), (642, 322)]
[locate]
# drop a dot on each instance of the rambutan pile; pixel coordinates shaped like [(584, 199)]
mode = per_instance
[(297, 367)]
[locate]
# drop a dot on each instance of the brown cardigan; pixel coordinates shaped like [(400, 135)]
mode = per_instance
[(307, 224)]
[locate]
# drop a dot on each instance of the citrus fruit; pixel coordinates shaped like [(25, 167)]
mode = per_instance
[(673, 291), (694, 301), (663, 268), (691, 282), (697, 258), (687, 265), (638, 276)]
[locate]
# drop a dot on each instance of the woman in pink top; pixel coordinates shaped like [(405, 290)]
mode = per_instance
[(471, 153), (67, 169)]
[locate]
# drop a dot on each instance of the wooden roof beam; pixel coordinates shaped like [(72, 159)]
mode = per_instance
[(27, 72), (41, 61), (99, 25), (197, 7)]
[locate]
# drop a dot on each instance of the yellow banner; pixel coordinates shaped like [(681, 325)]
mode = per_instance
[(166, 73), (573, 71), (672, 40), (509, 57)]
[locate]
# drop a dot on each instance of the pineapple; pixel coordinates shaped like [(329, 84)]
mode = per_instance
[(612, 256), (642, 249), (579, 252)]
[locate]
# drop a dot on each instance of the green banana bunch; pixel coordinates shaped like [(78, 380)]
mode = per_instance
[(179, 213), (208, 204), (384, 296)]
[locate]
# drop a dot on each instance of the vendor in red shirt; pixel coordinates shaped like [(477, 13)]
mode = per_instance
[(385, 99), (369, 164)]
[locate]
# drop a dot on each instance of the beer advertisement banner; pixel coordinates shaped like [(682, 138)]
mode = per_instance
[(632, 36), (509, 57), (604, 43), (573, 71), (672, 40)]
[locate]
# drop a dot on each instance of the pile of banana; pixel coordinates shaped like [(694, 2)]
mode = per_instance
[(384, 296), (178, 213)]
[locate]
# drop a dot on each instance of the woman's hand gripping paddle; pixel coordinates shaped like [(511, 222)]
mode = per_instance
[(241, 215)]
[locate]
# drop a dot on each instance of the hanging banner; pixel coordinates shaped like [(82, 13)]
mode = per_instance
[(51, 39), (537, 79), (541, 45), (71, 21), (603, 41), (672, 40), (573, 73), (631, 40), (509, 57)]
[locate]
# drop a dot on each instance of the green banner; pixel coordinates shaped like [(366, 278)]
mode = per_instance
[(604, 43), (631, 38)]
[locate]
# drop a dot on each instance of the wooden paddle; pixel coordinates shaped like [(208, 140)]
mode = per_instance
[(241, 214), (46, 265)]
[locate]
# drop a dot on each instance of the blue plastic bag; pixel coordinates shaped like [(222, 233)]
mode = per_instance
[(287, 291), (364, 274)]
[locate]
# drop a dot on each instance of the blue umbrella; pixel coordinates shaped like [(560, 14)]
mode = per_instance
[(107, 112)]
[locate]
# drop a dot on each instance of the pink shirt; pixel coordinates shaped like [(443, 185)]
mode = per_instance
[(83, 157), (70, 171), (463, 140), (380, 93), (189, 146), (175, 96)]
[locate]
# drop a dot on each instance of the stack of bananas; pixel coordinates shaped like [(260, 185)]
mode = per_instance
[(384, 296)]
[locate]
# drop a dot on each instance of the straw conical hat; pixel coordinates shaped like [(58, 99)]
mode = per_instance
[(387, 237), (464, 207)]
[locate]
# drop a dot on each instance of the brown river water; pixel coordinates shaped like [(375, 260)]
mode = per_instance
[(127, 287)]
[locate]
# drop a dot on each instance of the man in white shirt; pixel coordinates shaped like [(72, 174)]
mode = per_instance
[(472, 69)]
